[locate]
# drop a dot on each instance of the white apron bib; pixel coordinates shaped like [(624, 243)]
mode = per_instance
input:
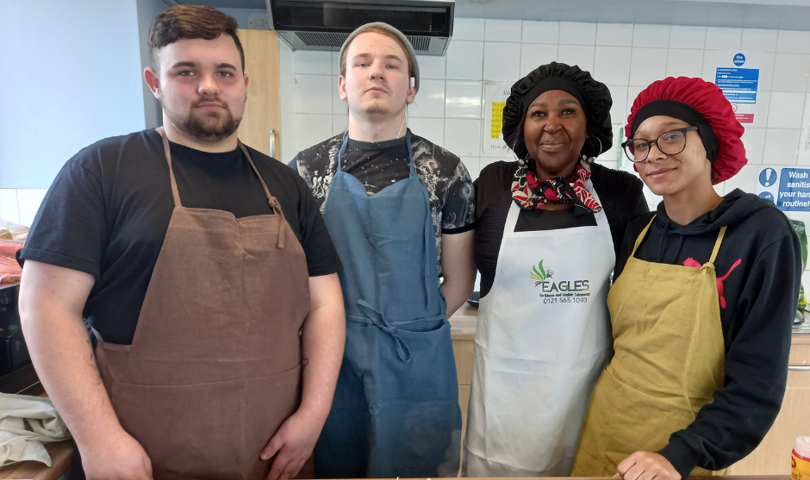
[(542, 340)]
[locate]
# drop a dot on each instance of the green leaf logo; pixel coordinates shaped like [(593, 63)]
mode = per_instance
[(538, 272)]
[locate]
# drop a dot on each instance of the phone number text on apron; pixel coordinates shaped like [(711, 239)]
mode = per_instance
[(564, 292)]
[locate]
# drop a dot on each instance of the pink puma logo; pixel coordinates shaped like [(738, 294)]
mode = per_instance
[(691, 262)]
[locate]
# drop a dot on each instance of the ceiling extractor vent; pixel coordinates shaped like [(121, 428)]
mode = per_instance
[(321, 39), (324, 25)]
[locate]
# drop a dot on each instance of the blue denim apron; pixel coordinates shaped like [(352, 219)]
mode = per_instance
[(396, 409)]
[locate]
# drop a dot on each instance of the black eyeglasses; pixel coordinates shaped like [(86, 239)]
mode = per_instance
[(671, 142)]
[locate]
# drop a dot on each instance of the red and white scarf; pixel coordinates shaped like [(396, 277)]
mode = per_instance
[(531, 193)]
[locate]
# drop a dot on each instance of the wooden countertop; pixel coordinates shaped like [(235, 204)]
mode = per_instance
[(726, 477), (60, 455), (60, 452), (463, 323)]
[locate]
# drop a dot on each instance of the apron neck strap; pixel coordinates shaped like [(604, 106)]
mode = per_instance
[(511, 218), (642, 235), (168, 153), (270, 198), (342, 152), (716, 249), (175, 193), (411, 166)]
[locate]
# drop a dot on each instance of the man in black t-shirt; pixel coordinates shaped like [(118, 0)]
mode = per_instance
[(99, 245)]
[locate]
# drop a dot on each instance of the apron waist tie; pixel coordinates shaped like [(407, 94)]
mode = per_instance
[(379, 321)]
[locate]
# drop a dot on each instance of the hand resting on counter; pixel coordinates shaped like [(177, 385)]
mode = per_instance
[(646, 466)]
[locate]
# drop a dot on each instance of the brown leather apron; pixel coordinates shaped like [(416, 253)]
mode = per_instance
[(215, 365)]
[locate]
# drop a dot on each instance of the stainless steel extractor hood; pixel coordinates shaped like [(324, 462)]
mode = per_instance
[(325, 24)]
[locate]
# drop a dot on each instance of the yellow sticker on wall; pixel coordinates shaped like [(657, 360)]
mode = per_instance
[(497, 118)]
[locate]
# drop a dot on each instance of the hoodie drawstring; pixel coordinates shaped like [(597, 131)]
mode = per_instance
[(661, 242)]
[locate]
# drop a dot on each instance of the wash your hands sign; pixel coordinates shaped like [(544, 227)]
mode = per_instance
[(787, 187)]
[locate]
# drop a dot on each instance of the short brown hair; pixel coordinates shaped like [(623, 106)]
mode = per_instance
[(190, 22), (381, 32)]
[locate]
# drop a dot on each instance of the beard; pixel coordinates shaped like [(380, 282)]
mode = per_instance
[(209, 127)]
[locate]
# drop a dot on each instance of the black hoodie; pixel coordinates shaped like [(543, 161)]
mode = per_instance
[(760, 296)]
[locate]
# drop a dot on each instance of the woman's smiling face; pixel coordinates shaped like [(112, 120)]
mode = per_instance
[(672, 174), (555, 131)]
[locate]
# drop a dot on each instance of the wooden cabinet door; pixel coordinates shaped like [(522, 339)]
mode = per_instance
[(463, 348), (772, 457), (263, 109)]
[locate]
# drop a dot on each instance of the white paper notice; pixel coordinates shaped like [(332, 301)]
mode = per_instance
[(495, 96), (738, 74)]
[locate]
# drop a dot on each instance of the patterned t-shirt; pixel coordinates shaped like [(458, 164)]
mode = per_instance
[(379, 164)]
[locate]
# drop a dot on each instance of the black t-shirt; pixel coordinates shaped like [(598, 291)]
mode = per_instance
[(620, 194), (108, 210), (379, 164)]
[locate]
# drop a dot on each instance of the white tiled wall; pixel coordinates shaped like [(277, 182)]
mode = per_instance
[(449, 106)]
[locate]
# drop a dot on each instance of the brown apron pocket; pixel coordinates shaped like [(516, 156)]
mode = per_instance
[(188, 431), (269, 401)]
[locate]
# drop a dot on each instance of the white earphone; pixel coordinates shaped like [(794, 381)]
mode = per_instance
[(413, 81)]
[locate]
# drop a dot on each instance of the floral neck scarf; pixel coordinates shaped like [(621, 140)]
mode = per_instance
[(531, 193)]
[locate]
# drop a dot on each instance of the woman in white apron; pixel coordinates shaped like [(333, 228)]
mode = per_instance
[(545, 246)]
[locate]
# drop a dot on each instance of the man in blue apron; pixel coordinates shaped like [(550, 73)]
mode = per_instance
[(400, 212)]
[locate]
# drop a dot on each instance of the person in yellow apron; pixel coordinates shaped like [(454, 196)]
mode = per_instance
[(702, 301)]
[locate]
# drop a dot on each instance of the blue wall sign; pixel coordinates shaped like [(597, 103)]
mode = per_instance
[(739, 85), (767, 177), (788, 187)]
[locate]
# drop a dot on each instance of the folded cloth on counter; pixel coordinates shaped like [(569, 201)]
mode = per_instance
[(26, 423), (10, 270)]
